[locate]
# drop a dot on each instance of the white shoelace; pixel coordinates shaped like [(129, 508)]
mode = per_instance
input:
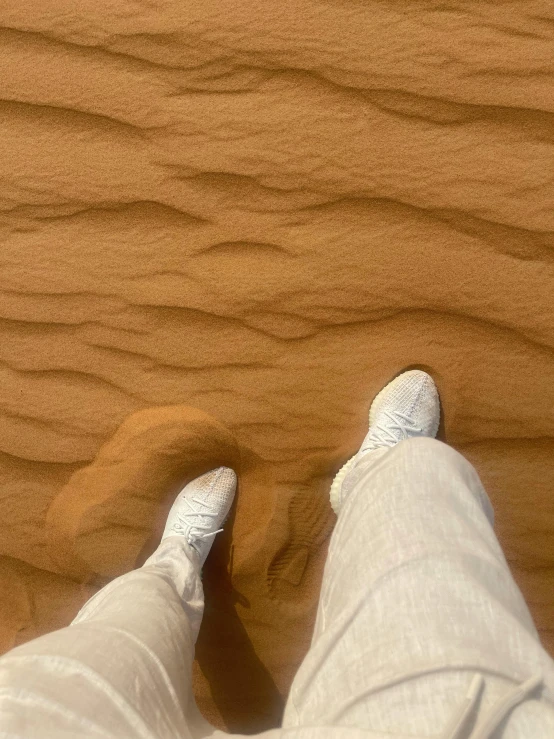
[(383, 435), (195, 530)]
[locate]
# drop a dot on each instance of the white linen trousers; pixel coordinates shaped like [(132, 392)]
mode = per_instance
[(421, 630)]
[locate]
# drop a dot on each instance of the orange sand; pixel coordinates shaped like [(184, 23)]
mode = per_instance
[(224, 226)]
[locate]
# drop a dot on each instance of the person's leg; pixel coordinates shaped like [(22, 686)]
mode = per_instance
[(123, 667), (417, 600)]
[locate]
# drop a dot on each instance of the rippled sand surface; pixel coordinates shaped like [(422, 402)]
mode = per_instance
[(224, 226)]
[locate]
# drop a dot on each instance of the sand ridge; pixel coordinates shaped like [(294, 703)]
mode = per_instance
[(227, 225)]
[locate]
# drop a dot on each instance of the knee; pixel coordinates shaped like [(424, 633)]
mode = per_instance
[(427, 453), (433, 456), (428, 448)]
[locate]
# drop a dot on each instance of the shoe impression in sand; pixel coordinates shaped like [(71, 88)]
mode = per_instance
[(201, 508), (406, 407)]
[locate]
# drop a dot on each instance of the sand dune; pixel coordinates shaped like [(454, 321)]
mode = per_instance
[(224, 225)]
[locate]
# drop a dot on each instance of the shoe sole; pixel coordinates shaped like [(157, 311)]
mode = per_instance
[(334, 493), (336, 485)]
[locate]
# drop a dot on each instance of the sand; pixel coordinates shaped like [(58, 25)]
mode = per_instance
[(225, 225)]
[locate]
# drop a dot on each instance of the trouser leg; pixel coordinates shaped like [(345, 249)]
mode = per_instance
[(122, 668), (416, 599)]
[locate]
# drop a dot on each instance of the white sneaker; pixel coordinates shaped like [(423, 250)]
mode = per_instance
[(406, 407), (201, 508)]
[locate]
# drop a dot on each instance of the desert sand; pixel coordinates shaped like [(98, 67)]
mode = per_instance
[(224, 226)]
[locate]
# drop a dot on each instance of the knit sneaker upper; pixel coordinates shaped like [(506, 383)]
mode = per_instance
[(408, 406), (201, 508)]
